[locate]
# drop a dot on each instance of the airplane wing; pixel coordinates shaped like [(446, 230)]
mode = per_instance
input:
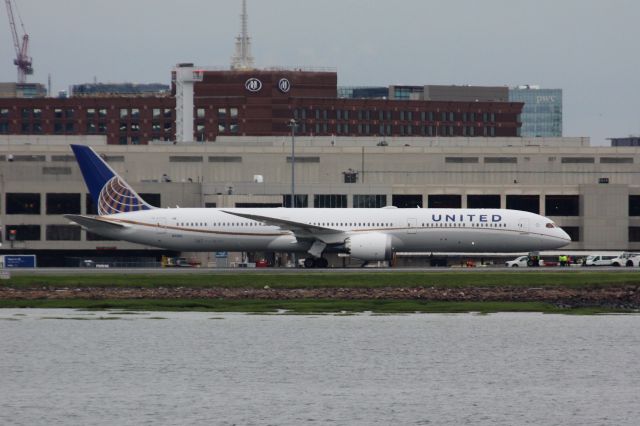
[(300, 229), (95, 223)]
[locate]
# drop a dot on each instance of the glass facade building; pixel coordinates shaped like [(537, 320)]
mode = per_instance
[(363, 92), (542, 112), (406, 93), (628, 141)]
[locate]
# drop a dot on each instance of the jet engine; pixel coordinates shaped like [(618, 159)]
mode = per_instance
[(373, 246)]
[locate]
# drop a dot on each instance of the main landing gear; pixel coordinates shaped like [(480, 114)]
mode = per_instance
[(311, 262)]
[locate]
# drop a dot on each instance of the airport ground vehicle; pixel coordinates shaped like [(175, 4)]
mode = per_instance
[(520, 261), (626, 259), (532, 259), (262, 263), (599, 260), (179, 262)]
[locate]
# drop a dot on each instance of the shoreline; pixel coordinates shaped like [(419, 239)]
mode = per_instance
[(591, 292), (613, 298)]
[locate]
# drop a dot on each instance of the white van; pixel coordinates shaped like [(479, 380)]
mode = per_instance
[(599, 260)]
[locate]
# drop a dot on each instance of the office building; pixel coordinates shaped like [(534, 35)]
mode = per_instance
[(542, 112), (255, 103)]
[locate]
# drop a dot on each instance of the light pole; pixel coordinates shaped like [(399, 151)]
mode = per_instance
[(293, 123)]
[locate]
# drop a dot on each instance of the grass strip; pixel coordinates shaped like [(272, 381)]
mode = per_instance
[(306, 306), (569, 279)]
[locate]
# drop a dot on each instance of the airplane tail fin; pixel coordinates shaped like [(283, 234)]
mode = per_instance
[(110, 193)]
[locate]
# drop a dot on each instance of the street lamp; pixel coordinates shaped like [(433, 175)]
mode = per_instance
[(293, 123)]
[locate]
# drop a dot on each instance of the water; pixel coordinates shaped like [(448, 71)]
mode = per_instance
[(204, 368)]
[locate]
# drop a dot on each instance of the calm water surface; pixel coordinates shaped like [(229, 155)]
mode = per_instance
[(63, 367)]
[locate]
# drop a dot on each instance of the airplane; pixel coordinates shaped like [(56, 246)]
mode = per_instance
[(368, 234)]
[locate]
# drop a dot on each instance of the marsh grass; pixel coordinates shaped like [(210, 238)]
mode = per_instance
[(568, 279), (573, 279)]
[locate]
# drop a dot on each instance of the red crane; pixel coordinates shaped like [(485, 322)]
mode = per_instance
[(23, 60)]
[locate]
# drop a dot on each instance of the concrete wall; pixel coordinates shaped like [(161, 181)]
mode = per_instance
[(605, 215), (203, 173)]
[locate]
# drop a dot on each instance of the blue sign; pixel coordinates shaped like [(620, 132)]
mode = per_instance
[(20, 261), (221, 254)]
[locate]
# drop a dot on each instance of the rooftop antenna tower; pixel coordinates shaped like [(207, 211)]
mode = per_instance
[(242, 59)]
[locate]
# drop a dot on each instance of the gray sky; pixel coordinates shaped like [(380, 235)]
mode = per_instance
[(586, 47)]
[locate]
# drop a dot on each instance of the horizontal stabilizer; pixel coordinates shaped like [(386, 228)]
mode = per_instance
[(95, 223)]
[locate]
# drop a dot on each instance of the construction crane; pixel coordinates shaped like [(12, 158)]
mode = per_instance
[(23, 60)]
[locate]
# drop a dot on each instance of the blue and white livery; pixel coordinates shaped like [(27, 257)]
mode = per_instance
[(110, 193), (367, 234)]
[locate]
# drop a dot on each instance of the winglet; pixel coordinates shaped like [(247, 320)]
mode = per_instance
[(110, 192)]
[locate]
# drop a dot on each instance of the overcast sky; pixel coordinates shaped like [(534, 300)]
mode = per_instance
[(588, 48)]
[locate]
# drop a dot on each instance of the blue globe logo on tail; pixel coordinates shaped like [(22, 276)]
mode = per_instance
[(110, 192), (117, 197)]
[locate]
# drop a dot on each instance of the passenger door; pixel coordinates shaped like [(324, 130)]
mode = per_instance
[(523, 224), (161, 225), (412, 224)]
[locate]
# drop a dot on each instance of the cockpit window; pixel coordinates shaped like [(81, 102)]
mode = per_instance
[(551, 225)]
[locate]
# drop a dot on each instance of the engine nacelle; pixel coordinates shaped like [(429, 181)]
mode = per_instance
[(373, 246)]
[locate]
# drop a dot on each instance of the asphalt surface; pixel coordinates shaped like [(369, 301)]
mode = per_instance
[(184, 270)]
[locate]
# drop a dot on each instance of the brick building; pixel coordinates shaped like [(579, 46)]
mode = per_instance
[(257, 103)]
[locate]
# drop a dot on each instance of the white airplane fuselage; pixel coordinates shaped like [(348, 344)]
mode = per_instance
[(406, 230)]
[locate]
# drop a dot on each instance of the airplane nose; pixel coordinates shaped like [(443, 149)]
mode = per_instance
[(564, 235)]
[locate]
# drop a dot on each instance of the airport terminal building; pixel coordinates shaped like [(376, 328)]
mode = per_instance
[(593, 193)]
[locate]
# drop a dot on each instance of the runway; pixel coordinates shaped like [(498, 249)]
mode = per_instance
[(303, 271)]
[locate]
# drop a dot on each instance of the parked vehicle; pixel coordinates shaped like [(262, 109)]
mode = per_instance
[(524, 261), (520, 261), (633, 261), (599, 260), (627, 259), (179, 262)]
